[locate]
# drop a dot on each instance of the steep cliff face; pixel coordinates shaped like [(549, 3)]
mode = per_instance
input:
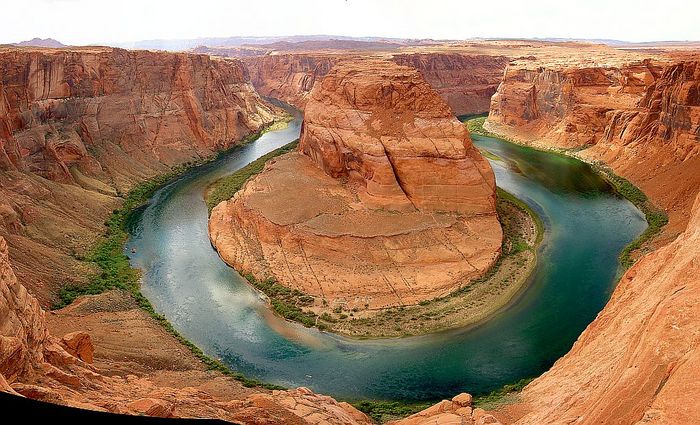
[(657, 145), (289, 77), (118, 115), (637, 362), (569, 105), (37, 365), (465, 82), (639, 118), (79, 126), (387, 203)]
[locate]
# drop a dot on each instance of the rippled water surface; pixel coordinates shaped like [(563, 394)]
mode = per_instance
[(210, 304)]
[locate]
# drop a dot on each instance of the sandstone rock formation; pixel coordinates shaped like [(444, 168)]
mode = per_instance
[(640, 118), (465, 82), (458, 411), (289, 77), (387, 203), (79, 125), (33, 363)]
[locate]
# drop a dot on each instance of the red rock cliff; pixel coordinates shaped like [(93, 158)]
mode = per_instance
[(465, 82), (289, 77), (639, 118), (78, 126), (351, 219)]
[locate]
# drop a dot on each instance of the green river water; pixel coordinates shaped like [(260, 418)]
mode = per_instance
[(586, 226)]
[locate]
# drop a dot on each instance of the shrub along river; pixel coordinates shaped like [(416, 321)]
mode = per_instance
[(586, 227)]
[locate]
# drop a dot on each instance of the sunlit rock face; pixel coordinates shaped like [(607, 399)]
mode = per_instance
[(79, 126), (641, 118)]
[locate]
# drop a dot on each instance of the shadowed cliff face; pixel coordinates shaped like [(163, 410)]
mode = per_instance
[(387, 203), (79, 126), (289, 77), (641, 119), (465, 82)]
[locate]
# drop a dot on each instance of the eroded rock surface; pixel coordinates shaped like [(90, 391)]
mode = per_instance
[(465, 82), (641, 118), (387, 203), (79, 126), (289, 77)]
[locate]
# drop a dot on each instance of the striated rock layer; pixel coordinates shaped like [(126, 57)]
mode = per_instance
[(80, 125), (289, 77), (465, 82), (640, 118), (386, 203)]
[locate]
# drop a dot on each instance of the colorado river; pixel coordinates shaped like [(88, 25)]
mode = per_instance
[(586, 226)]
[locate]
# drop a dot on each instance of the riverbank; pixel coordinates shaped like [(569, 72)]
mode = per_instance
[(114, 271), (472, 303), (655, 217)]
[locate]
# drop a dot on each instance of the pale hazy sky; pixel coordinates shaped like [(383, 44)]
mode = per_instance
[(94, 21)]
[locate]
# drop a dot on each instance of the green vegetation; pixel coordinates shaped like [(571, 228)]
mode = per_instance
[(286, 302), (656, 218), (476, 126), (507, 394), (224, 188), (115, 272), (383, 411)]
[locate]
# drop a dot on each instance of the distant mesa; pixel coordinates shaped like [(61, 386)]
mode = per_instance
[(41, 42)]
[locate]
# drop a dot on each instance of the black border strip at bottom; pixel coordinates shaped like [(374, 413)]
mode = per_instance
[(29, 410)]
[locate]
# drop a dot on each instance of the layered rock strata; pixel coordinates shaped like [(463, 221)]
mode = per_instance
[(289, 77), (79, 126), (465, 82), (386, 203), (642, 119)]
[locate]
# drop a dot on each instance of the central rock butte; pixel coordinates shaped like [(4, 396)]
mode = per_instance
[(386, 203)]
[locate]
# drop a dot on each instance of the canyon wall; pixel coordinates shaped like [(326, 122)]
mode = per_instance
[(465, 82), (640, 118), (289, 77), (387, 202), (80, 126), (638, 361)]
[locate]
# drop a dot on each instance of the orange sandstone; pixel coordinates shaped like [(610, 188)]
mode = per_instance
[(387, 203)]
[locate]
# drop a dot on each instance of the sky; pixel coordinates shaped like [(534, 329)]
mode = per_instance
[(80, 22)]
